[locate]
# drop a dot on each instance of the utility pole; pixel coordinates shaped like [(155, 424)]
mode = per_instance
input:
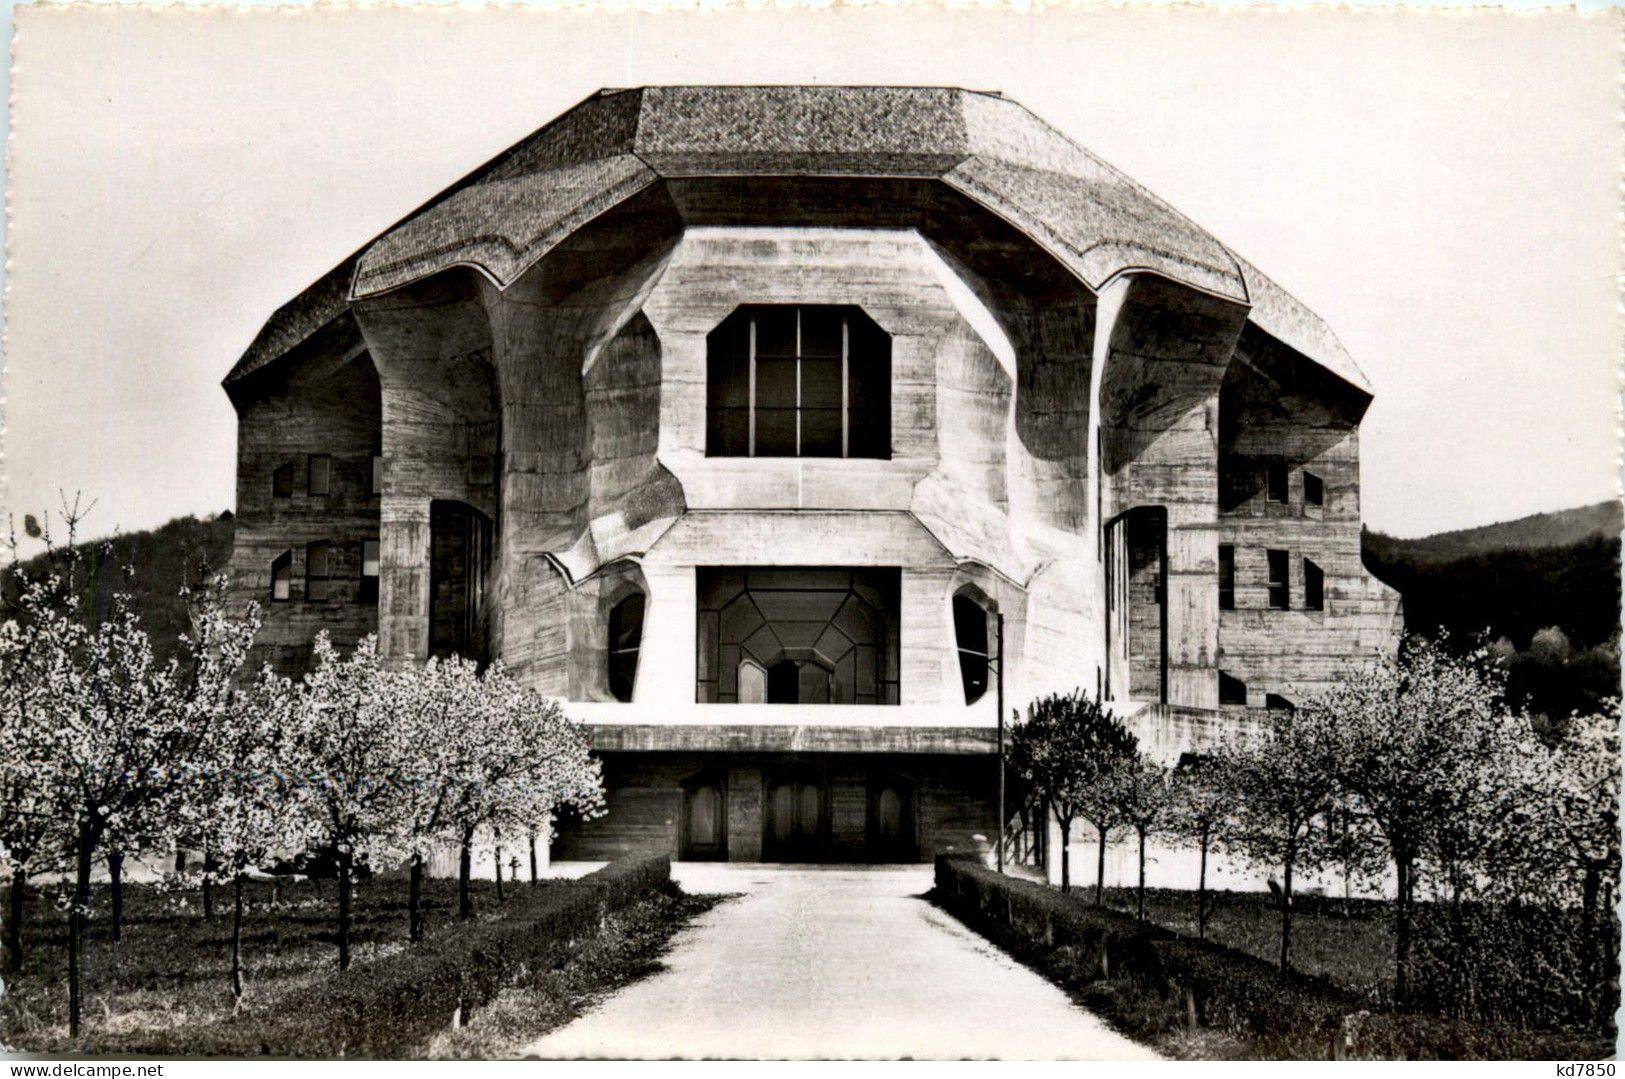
[(1000, 696)]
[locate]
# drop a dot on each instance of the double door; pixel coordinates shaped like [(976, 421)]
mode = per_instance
[(795, 826)]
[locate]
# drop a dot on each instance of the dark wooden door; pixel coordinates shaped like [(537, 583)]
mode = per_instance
[(793, 826), (891, 821), (704, 830)]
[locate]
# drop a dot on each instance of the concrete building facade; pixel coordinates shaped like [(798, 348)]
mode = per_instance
[(737, 417)]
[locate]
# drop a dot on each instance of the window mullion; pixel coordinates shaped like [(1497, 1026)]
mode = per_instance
[(845, 393), (750, 407), (798, 382)]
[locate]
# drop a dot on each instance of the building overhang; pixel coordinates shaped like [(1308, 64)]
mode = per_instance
[(789, 738), (615, 147)]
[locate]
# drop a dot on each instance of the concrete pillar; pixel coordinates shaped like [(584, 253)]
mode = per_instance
[(744, 813)]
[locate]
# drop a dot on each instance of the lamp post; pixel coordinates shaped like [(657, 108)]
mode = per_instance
[(999, 849)]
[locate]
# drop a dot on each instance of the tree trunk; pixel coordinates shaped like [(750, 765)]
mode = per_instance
[(208, 885), (1402, 926), (1286, 916), (180, 860), (465, 866), (1201, 893), (115, 881), (1590, 886), (345, 862), (1100, 866), (14, 919), (533, 857), (1139, 910), (499, 871), (414, 901), (76, 926), (237, 937), (1066, 857)]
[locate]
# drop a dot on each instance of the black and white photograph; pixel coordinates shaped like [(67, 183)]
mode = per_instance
[(880, 532)]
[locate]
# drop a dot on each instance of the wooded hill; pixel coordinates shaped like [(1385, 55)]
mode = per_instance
[(152, 565), (1544, 590)]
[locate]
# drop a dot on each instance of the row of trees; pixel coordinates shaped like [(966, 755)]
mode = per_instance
[(1413, 778), (106, 750)]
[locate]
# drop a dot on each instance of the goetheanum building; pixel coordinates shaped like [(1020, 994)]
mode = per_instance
[(736, 416)]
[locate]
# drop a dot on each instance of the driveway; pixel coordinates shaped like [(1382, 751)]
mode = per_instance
[(833, 962)]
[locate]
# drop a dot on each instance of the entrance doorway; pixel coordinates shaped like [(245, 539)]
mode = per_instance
[(795, 826), (798, 682), (703, 830), (891, 834)]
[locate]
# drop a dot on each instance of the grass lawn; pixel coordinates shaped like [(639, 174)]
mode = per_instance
[(1349, 941), (173, 967), (1224, 998), (544, 998)]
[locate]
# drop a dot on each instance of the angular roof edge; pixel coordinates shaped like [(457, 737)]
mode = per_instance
[(507, 214)]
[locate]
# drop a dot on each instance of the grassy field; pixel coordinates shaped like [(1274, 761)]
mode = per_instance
[(173, 967), (1349, 941)]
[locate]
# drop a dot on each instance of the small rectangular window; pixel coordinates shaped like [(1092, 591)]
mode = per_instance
[(1280, 583), (369, 572), (319, 475), (1232, 690), (318, 570), (1314, 587), (1238, 481), (1277, 480), (282, 576), (1277, 703), (1314, 491), (481, 469), (282, 481), (1227, 577), (375, 481)]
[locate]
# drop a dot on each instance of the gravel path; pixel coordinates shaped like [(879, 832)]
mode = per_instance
[(834, 962)]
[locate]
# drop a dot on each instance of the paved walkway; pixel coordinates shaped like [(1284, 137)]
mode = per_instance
[(833, 962)]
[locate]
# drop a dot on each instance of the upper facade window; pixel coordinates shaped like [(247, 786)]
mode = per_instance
[(282, 577), (368, 592), (1314, 490), (798, 381), (625, 642), (282, 481), (319, 475), (1227, 577), (1280, 585), (318, 571), (1314, 587), (970, 633), (1276, 478)]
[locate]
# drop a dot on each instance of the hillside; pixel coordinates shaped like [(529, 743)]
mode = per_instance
[(1563, 528), (162, 560), (1544, 590)]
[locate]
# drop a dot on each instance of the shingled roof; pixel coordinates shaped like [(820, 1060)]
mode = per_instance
[(506, 216)]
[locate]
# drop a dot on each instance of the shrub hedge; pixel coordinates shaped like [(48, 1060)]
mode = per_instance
[(1151, 982), (392, 1006)]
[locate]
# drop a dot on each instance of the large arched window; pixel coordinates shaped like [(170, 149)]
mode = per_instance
[(970, 635), (798, 381), (625, 641)]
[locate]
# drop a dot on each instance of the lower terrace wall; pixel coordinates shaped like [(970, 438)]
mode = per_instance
[(951, 810)]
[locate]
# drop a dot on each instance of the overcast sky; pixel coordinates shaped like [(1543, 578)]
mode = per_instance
[(1442, 189)]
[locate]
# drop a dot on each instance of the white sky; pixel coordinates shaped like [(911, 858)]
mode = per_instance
[(1442, 189)]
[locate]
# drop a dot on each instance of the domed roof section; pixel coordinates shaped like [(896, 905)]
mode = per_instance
[(506, 216)]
